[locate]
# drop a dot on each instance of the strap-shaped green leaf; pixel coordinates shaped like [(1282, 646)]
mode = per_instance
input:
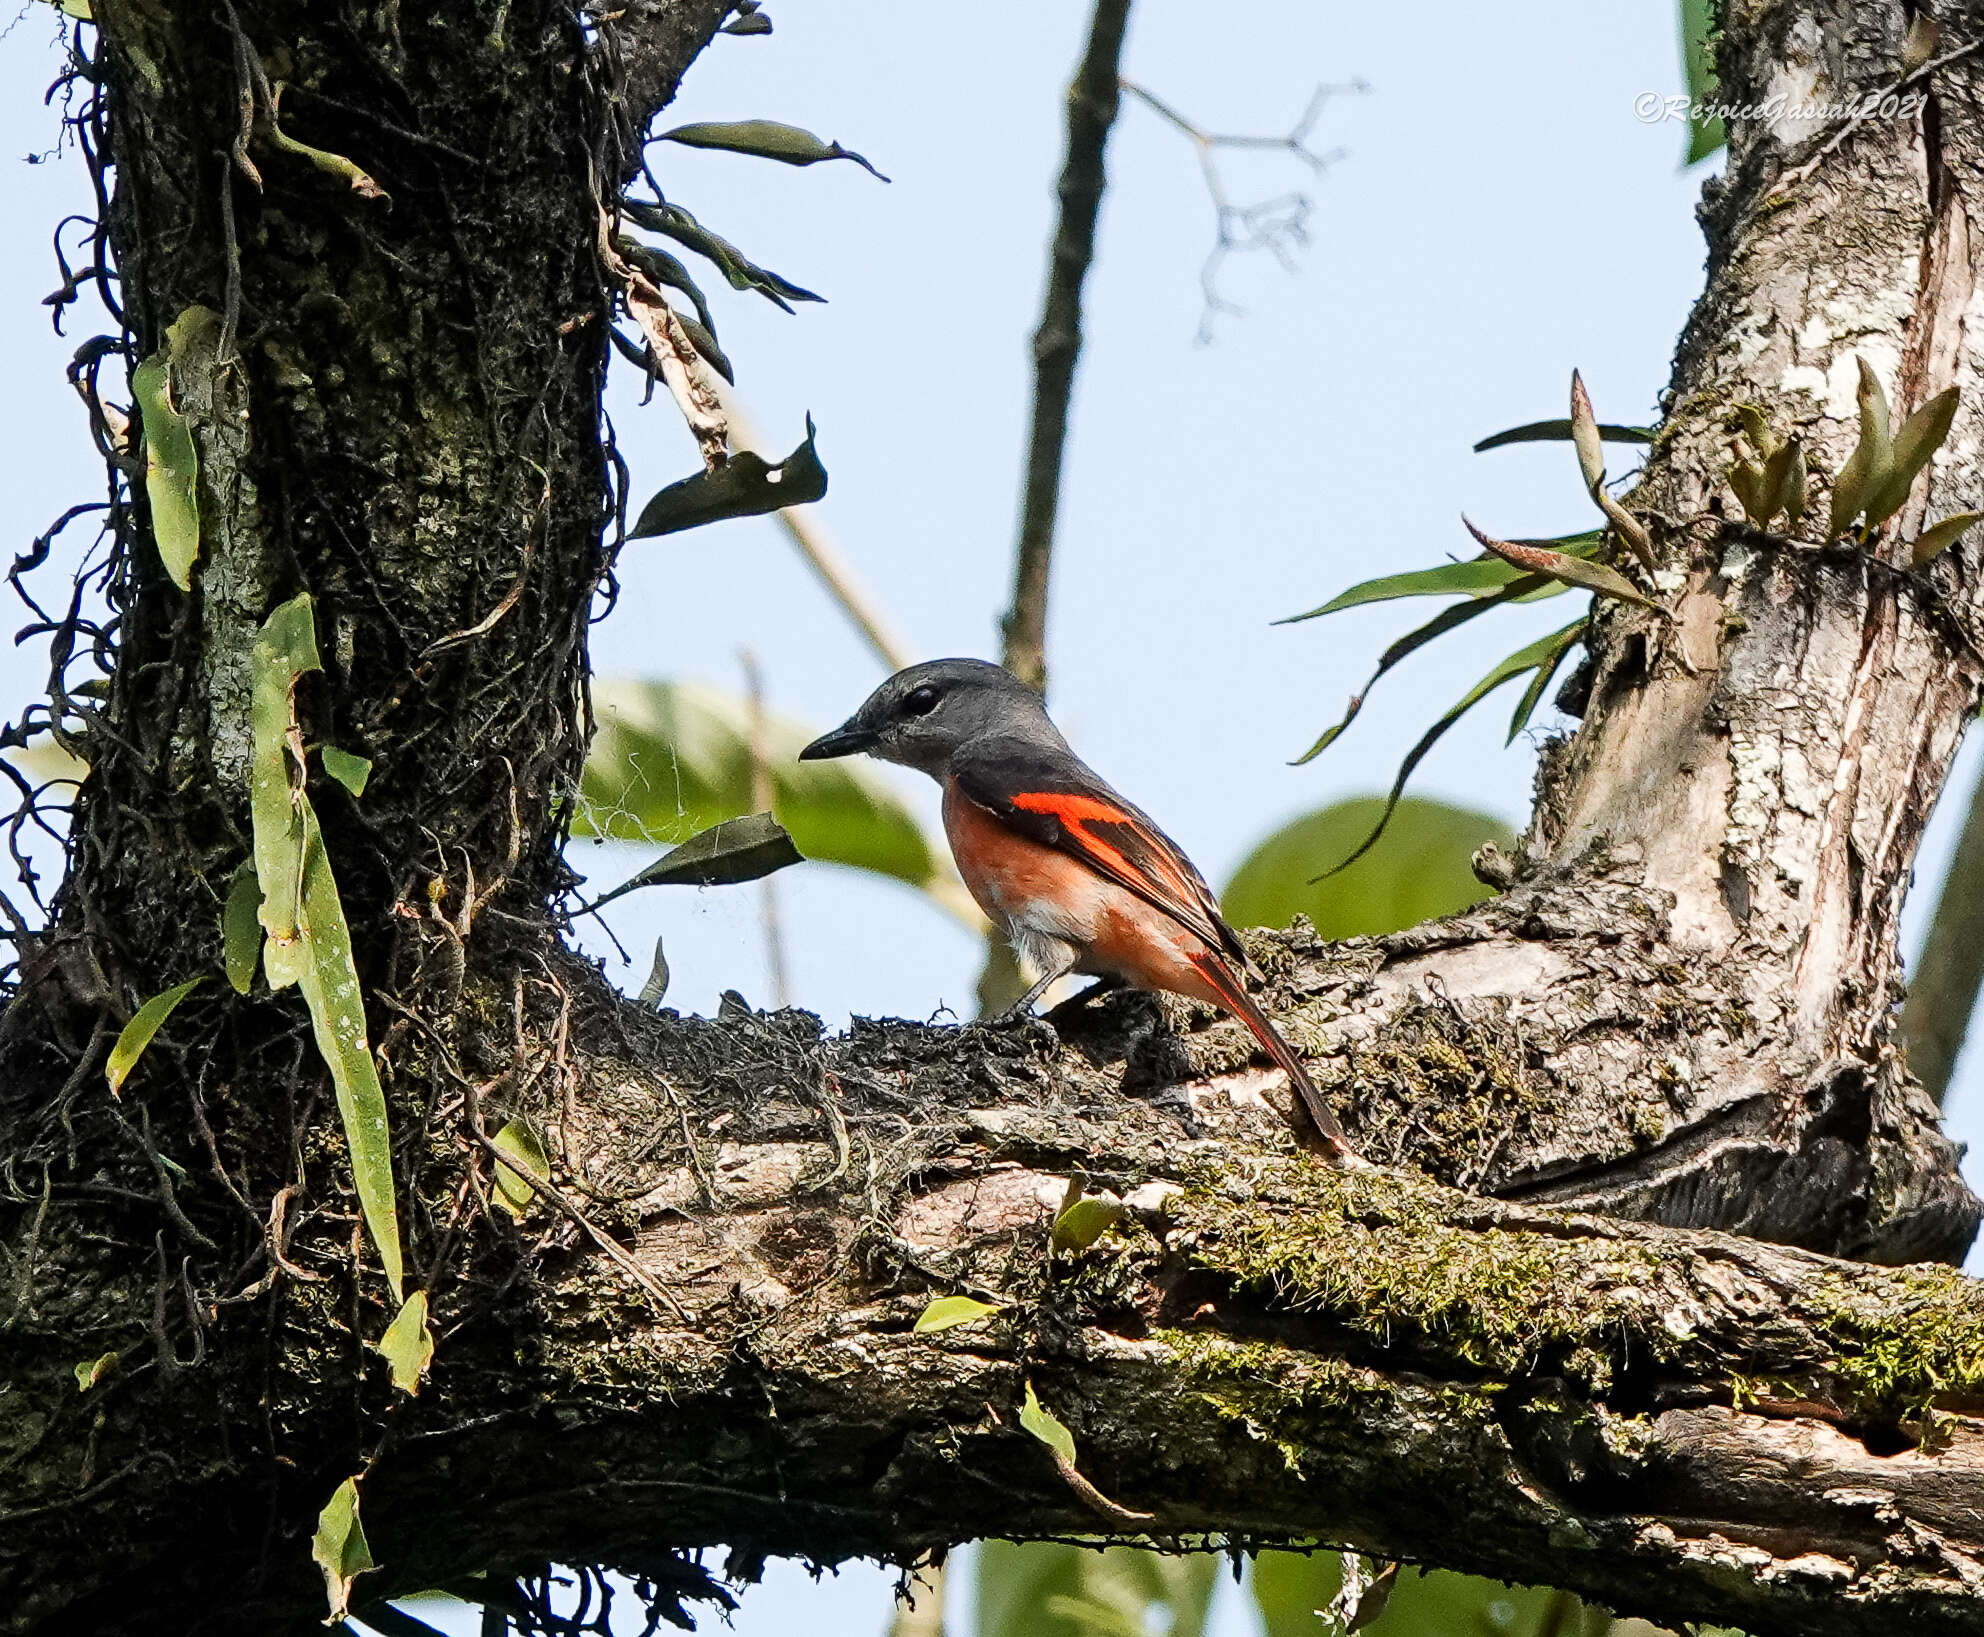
[(309, 942), (765, 139), (1523, 659), (1441, 623)]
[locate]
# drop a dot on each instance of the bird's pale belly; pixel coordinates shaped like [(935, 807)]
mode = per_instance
[(1060, 913)]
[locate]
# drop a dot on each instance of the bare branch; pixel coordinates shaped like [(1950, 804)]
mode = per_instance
[(1278, 225), (1057, 343)]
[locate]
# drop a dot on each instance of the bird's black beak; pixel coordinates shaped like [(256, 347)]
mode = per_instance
[(845, 740)]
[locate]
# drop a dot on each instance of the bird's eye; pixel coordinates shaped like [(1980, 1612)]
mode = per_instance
[(920, 701)]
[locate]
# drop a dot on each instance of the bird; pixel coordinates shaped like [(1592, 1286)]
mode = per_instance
[(1077, 878)]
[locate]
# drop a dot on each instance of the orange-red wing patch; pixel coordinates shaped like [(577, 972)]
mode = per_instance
[(1123, 845)]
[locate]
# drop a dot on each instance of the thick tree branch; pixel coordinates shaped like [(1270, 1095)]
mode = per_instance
[(1681, 1011)]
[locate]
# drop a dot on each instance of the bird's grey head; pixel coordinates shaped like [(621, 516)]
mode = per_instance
[(920, 716)]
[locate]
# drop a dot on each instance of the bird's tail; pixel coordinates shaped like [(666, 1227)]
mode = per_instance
[(1231, 990)]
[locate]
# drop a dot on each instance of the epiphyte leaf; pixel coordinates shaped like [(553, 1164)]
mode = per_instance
[(1558, 565), (1049, 1428), (739, 849), (90, 1371), (349, 770), (339, 1547), (1939, 537), (946, 1312), (1560, 432), (1081, 1223), (516, 1179), (767, 139), (137, 1034), (1523, 660), (172, 457), (745, 485), (408, 1344), (241, 928)]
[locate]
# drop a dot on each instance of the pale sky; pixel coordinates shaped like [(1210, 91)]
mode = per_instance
[(1500, 218)]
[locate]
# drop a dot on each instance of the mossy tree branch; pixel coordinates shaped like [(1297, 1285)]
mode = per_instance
[(1681, 1011)]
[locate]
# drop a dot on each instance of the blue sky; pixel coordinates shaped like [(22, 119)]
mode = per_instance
[(1500, 218)]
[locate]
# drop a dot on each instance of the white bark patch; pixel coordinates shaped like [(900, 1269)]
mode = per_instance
[(1756, 763), (1797, 83)]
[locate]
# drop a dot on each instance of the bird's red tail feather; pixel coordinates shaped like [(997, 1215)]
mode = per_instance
[(1232, 992)]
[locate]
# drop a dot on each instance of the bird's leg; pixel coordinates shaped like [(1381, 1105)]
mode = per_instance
[(1051, 973)]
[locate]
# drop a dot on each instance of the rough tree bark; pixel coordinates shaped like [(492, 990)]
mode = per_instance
[(1680, 1011)]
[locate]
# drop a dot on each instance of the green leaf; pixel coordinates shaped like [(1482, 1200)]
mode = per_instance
[(241, 928), (1792, 491), (1476, 577), (92, 1370), (1921, 435), (767, 139), (285, 649), (339, 1547), (1438, 626), (1082, 1223), (1705, 136), (137, 1034), (1048, 1427), (1939, 537), (1540, 680), (515, 1187), (741, 272), (728, 852), (948, 1311), (668, 271), (745, 485), (1523, 659), (1420, 871), (1867, 468), (1560, 565), (1560, 432), (309, 943), (172, 458), (328, 978), (349, 770), (675, 757), (408, 1345), (1746, 478), (1047, 1589)]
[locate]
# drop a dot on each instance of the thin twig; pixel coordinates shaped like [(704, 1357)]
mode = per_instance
[(1277, 225), (1093, 100), (633, 1270), (761, 802), (803, 527)]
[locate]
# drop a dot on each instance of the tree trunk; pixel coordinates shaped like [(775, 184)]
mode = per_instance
[(1680, 1012)]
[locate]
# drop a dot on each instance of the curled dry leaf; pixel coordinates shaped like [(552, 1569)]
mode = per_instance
[(1557, 565)]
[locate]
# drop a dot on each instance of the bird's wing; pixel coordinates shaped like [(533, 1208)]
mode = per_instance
[(1047, 794)]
